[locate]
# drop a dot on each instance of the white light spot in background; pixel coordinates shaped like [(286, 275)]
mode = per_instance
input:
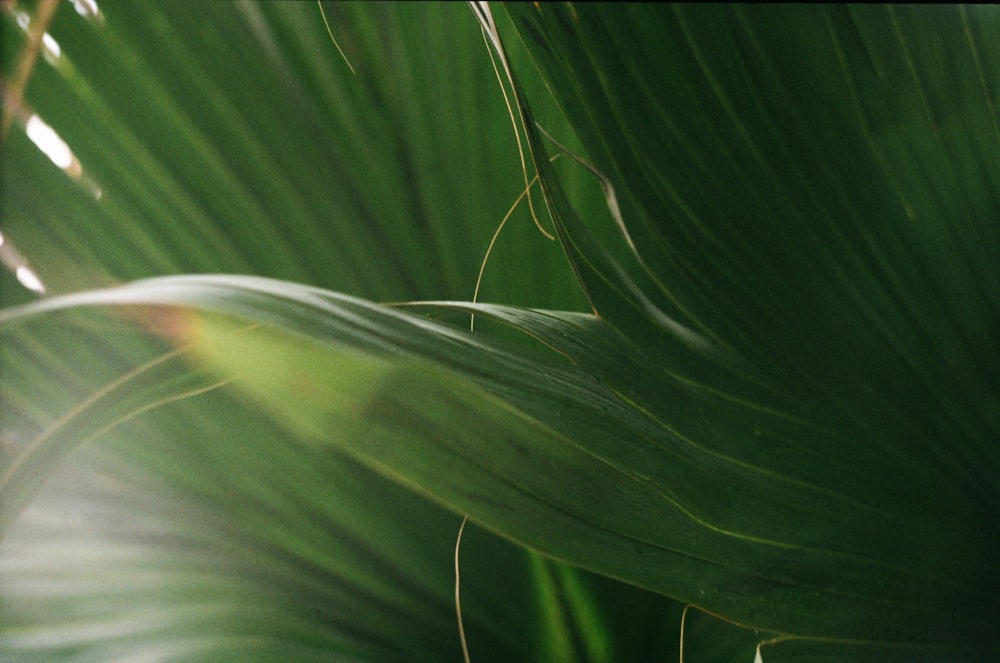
[(12, 259), (87, 9), (49, 142), (51, 46), (23, 19), (29, 279), (56, 149)]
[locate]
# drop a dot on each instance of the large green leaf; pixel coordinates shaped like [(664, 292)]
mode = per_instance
[(815, 191), (601, 456), (212, 524), (147, 515), (783, 411)]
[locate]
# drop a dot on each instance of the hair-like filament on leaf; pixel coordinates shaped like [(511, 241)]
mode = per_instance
[(489, 249), (513, 122), (332, 38), (38, 446), (458, 600)]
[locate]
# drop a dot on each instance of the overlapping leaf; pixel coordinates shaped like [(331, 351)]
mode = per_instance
[(598, 457)]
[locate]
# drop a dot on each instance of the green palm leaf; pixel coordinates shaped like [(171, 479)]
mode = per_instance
[(782, 413)]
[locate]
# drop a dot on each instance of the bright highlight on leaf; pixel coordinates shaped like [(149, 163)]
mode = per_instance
[(55, 148), (29, 279), (50, 47), (88, 9), (12, 259)]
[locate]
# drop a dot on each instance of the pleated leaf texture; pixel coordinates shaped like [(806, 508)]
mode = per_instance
[(730, 390)]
